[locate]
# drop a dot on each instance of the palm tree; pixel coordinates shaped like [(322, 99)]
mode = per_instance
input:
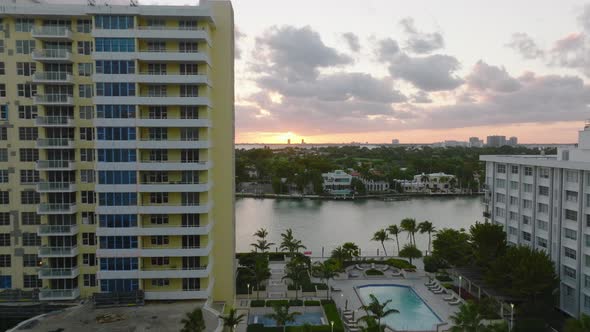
[(352, 249), (289, 242), (232, 319), (578, 325), (282, 315), (394, 230), (262, 245), (409, 225), (410, 251), (296, 272), (193, 321), (467, 319), (261, 233), (377, 310), (340, 255), (427, 227), (381, 236), (326, 271)]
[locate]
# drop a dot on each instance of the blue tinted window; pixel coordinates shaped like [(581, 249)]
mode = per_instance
[(115, 111), (5, 282), (3, 112), (118, 242), (118, 263), (117, 155), (115, 45), (115, 89), (113, 22), (117, 199), (119, 285), (117, 220), (117, 177), (115, 67), (115, 133)]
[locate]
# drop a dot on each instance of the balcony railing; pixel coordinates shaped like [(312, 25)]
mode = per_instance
[(48, 230), (59, 294), (160, 139), (58, 272), (173, 182), (54, 121), (51, 32), (56, 207), (55, 186), (156, 27), (163, 73), (54, 142), (52, 55), (174, 268), (54, 99), (53, 76), (54, 164), (174, 161), (45, 251)]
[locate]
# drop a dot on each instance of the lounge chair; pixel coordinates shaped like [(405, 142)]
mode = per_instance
[(437, 285), (440, 291), (435, 289), (397, 273), (455, 302), (385, 268), (430, 283), (449, 298), (353, 274), (358, 267)]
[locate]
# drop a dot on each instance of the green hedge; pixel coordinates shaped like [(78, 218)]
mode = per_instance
[(295, 303), (327, 302), (312, 303), (321, 286), (271, 303), (333, 316), (316, 328), (257, 303), (373, 272), (443, 278), (395, 262)]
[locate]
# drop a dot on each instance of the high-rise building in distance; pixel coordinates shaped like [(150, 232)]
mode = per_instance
[(496, 141), (512, 141), (116, 150)]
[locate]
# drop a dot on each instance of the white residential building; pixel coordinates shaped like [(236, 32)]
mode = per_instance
[(337, 182), (544, 202)]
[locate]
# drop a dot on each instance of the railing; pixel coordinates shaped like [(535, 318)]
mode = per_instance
[(54, 54), (54, 251), (175, 268), (57, 186), (168, 73), (42, 164), (54, 31), (156, 27), (175, 161), (53, 120), (56, 207), (168, 117), (173, 182), (46, 142), (168, 51), (58, 272), (52, 76), (54, 99), (188, 139), (57, 229), (59, 294)]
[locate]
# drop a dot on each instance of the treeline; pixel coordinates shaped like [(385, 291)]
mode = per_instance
[(303, 167)]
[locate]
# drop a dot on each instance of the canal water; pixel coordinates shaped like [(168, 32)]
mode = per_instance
[(327, 224)]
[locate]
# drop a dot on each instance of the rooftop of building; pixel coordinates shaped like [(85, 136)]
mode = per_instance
[(149, 317)]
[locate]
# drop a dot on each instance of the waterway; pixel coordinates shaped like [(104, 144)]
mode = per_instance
[(327, 224)]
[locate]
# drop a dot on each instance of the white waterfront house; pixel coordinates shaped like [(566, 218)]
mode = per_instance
[(544, 202), (428, 182), (337, 182)]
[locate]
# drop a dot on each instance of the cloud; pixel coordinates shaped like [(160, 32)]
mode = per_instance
[(420, 42), (431, 73), (421, 97), (386, 49), (525, 45), (352, 40), (238, 37), (485, 77), (572, 52), (295, 53)]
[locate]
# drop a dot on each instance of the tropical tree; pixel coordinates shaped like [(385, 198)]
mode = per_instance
[(578, 325), (452, 246), (488, 241), (410, 251), (467, 319), (381, 236), (377, 310), (340, 255), (193, 321), (326, 271), (232, 319), (427, 227), (351, 249), (262, 245), (261, 233), (259, 270), (409, 225), (394, 230), (296, 271), (282, 315), (289, 242), (371, 325)]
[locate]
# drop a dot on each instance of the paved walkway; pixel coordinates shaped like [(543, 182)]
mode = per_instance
[(276, 288)]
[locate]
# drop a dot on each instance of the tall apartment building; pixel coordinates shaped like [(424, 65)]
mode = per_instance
[(116, 150), (544, 202), (496, 141)]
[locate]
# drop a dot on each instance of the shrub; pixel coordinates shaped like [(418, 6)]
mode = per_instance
[(433, 263), (488, 308), (255, 328), (443, 278), (447, 285), (373, 272), (257, 303), (312, 303), (400, 263), (295, 303), (321, 286), (276, 256), (272, 303), (326, 302), (332, 315)]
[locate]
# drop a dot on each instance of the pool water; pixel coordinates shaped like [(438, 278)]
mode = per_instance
[(312, 318), (414, 314)]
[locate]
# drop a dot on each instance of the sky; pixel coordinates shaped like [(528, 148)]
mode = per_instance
[(419, 71)]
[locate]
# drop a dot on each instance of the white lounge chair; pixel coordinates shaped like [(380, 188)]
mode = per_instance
[(435, 286), (440, 291), (449, 298), (455, 302), (430, 283)]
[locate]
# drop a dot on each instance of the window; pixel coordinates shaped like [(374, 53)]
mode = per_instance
[(159, 198), (156, 46), (526, 236), (88, 239), (27, 112), (501, 168), (158, 134), (2, 69), (113, 22), (188, 47), (541, 242), (87, 154), (159, 219), (30, 197), (4, 218), (527, 187), (570, 234), (157, 91), (160, 260), (3, 112), (26, 90), (513, 200), (160, 282), (89, 259), (26, 68), (587, 285), (3, 176), (117, 155), (189, 90), (526, 220), (85, 47), (1, 45), (587, 240), (87, 176), (528, 171), (5, 261), (25, 46), (527, 204), (191, 284), (569, 272), (28, 176), (88, 218), (118, 220), (513, 185), (117, 177), (500, 198), (88, 197), (86, 112), (569, 253), (116, 133), (3, 155), (571, 215), (118, 264), (115, 111), (571, 176), (159, 240), (115, 67), (32, 281), (587, 260), (542, 208), (31, 260), (543, 191), (31, 240), (571, 196), (544, 173), (90, 280), (115, 45), (189, 69), (500, 183), (115, 89), (117, 199), (118, 242), (24, 24), (542, 225), (586, 302), (83, 26), (85, 69), (119, 285), (190, 220), (85, 90), (87, 133), (2, 90), (28, 133), (187, 25), (30, 218), (158, 155), (4, 197), (189, 112), (512, 231)]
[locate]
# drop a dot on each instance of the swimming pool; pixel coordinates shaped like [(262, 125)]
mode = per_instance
[(414, 314), (312, 318)]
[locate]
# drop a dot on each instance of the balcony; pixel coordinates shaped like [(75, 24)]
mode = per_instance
[(58, 273), (52, 33), (174, 272), (55, 165), (59, 294), (173, 122), (52, 56), (57, 230), (49, 252), (53, 77), (58, 99), (172, 56), (164, 251), (151, 143), (155, 78), (486, 214), (57, 208), (173, 165), (174, 209), (180, 294), (174, 186), (154, 230), (55, 143), (52, 187), (154, 100), (54, 121)]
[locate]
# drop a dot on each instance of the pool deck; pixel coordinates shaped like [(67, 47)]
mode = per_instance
[(435, 301)]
